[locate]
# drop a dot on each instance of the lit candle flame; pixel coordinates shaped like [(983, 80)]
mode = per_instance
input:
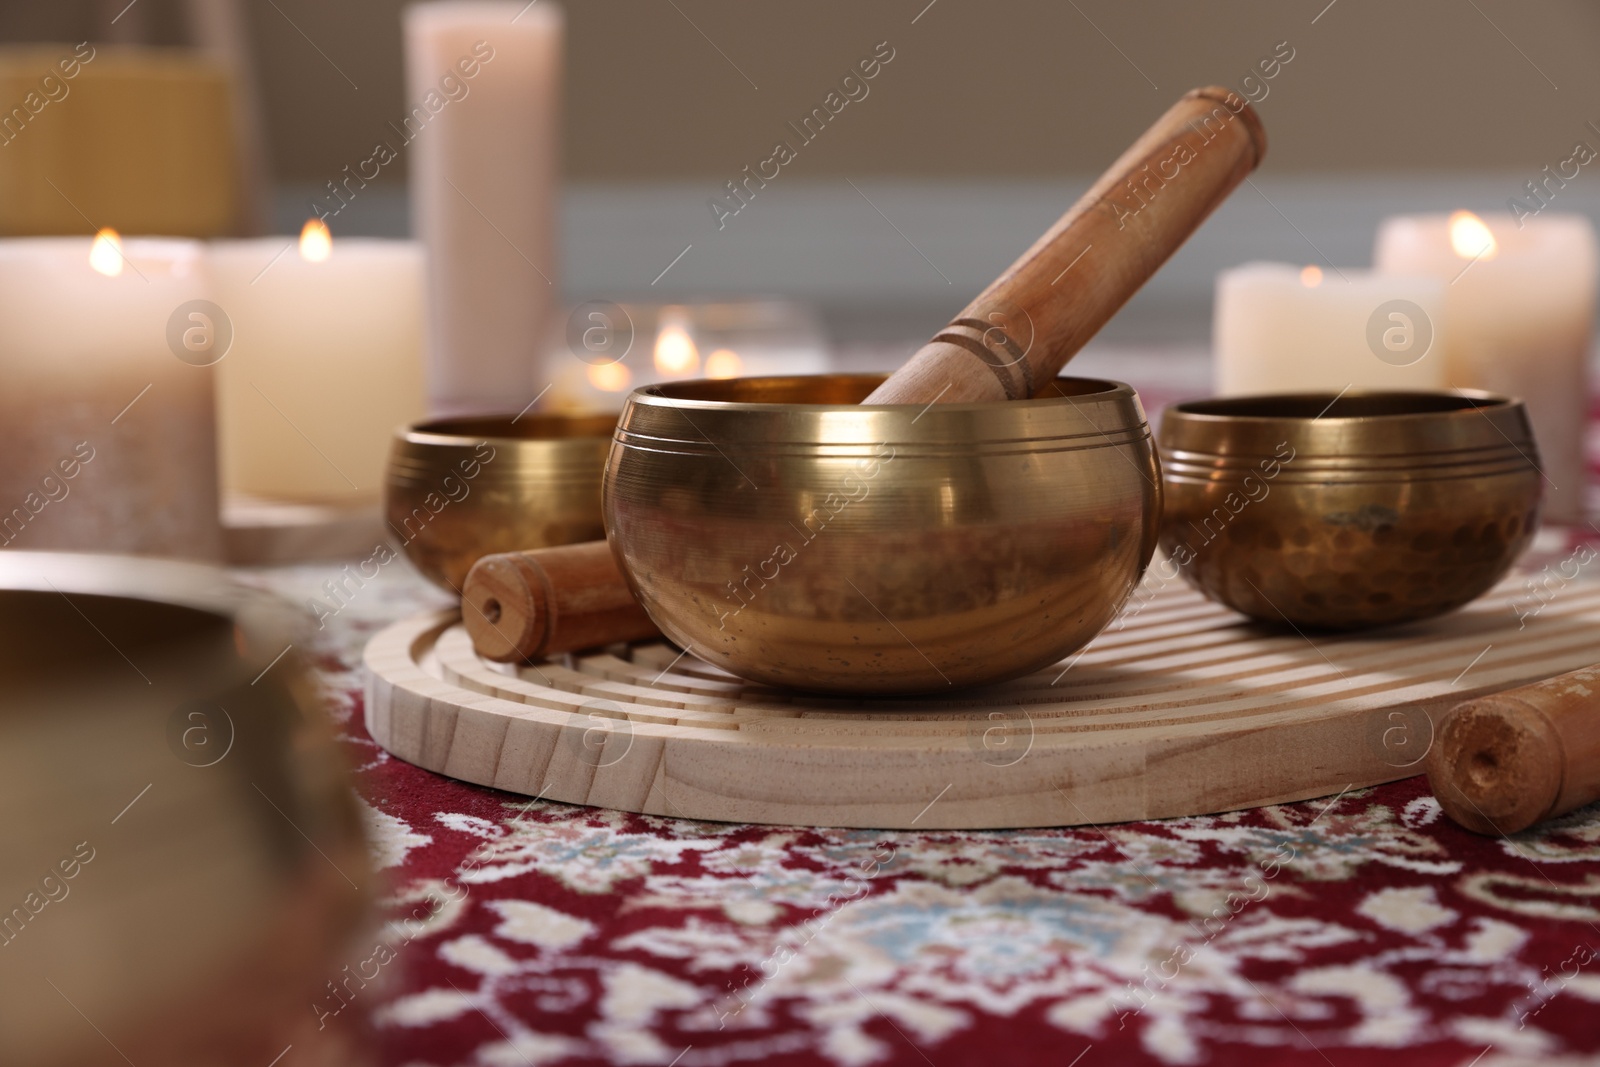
[(675, 354), (611, 377), (1311, 276), (724, 363), (1470, 238), (105, 255), (316, 243)]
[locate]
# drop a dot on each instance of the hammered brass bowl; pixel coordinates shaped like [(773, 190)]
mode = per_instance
[(1366, 509), (184, 862), (459, 489), (779, 529)]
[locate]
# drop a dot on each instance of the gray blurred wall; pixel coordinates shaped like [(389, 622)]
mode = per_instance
[(663, 89), (990, 119)]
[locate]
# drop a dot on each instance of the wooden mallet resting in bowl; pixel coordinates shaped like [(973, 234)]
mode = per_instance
[(1009, 343)]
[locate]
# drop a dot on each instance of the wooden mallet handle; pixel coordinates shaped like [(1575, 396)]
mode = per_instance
[(523, 606), (1501, 763), (1017, 335)]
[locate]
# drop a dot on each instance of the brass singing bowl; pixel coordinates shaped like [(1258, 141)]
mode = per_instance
[(460, 489), (184, 862), (1366, 509), (781, 530)]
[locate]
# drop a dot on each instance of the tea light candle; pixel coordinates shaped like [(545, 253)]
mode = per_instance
[(1520, 300), (1285, 329), (108, 436), (484, 81), (326, 361), (677, 342)]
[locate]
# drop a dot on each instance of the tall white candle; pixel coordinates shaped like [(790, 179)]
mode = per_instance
[(483, 81), (326, 361), (108, 435), (1520, 301), (1285, 329)]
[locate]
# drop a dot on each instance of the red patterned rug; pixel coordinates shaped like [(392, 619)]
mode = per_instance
[(1359, 929)]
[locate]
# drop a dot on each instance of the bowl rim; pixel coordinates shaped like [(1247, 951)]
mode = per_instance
[(423, 431), (656, 395), (1474, 402), (267, 622)]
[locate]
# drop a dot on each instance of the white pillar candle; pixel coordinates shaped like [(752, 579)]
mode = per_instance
[(107, 436), (1285, 329), (1520, 300), (483, 82), (326, 361)]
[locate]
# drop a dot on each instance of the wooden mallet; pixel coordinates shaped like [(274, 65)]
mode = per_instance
[(1015, 337), (1007, 344), (522, 606), (1501, 763)]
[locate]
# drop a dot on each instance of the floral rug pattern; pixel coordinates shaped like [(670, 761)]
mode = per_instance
[(1359, 929)]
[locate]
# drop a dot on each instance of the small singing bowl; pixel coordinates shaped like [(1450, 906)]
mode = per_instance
[(184, 858), (1365, 509), (778, 528), (460, 489)]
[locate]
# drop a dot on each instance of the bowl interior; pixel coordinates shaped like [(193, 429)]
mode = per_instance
[(826, 389), (47, 640), (510, 427), (1334, 406)]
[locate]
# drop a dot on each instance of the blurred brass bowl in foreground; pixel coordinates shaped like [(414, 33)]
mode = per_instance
[(1363, 510), (460, 489), (777, 528), (183, 858)]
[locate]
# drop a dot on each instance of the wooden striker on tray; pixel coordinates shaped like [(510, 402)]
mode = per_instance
[(1501, 763)]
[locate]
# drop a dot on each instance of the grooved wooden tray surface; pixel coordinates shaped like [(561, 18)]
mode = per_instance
[(1180, 708)]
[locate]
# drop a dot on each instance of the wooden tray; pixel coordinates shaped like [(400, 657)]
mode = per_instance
[(1180, 708)]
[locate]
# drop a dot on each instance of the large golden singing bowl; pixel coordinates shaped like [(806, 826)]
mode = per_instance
[(184, 871), (1362, 510), (777, 528), (459, 489)]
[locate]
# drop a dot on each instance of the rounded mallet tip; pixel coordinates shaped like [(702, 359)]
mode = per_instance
[(1496, 765), (504, 606)]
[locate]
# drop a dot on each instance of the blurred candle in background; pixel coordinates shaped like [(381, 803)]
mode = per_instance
[(1520, 303), (107, 420), (140, 139), (617, 348), (483, 81), (1285, 329), (326, 361)]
